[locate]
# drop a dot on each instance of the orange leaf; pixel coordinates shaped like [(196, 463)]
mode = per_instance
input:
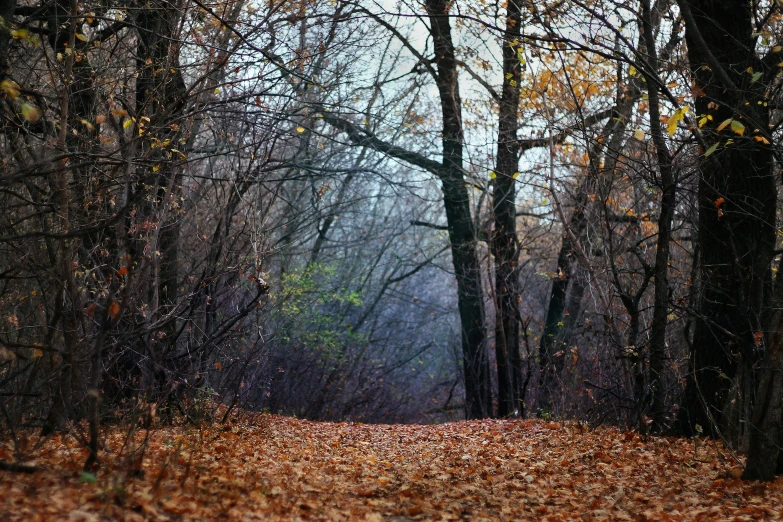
[(113, 310), (719, 202)]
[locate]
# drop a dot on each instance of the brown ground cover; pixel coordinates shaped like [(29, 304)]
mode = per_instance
[(267, 467)]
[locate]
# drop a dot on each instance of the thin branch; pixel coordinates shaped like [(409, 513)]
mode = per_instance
[(362, 138), (416, 223)]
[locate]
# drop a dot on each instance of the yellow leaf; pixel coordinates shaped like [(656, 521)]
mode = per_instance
[(492, 174), (127, 124), (300, 129), (671, 126), (20, 33), (10, 87), (31, 113), (737, 127), (217, 90), (678, 116), (515, 175), (638, 134), (777, 49), (632, 71), (81, 37), (156, 168)]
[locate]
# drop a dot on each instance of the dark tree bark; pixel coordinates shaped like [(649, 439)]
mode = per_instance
[(7, 8), (764, 455), (668, 185), (737, 198), (457, 205), (568, 285), (504, 240), (77, 102), (160, 98)]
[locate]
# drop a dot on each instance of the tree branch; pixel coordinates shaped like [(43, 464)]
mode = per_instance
[(416, 223), (18, 468), (532, 143), (362, 138), (473, 74)]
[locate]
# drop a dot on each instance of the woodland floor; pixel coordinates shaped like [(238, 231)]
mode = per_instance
[(266, 467)]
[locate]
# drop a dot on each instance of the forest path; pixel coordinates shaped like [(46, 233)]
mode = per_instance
[(267, 467)]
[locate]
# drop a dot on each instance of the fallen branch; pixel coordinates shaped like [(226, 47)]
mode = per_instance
[(16, 467)]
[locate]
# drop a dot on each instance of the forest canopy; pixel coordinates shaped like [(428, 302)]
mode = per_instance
[(393, 212)]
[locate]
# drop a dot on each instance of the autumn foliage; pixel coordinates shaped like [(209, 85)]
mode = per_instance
[(268, 467)]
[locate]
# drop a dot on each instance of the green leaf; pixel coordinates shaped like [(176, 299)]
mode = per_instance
[(711, 149), (756, 77), (737, 127), (85, 477), (22, 34), (31, 113)]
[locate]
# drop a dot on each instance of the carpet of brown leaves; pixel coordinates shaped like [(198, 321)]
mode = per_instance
[(264, 467)]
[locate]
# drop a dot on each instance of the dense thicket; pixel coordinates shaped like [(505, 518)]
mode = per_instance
[(393, 213)]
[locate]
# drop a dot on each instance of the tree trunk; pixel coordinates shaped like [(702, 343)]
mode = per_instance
[(160, 93), (461, 231), (567, 288), (765, 433), (668, 185), (504, 240), (737, 198), (766, 429), (7, 8), (552, 338)]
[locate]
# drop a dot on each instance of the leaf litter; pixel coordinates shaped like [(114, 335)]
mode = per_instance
[(269, 467)]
